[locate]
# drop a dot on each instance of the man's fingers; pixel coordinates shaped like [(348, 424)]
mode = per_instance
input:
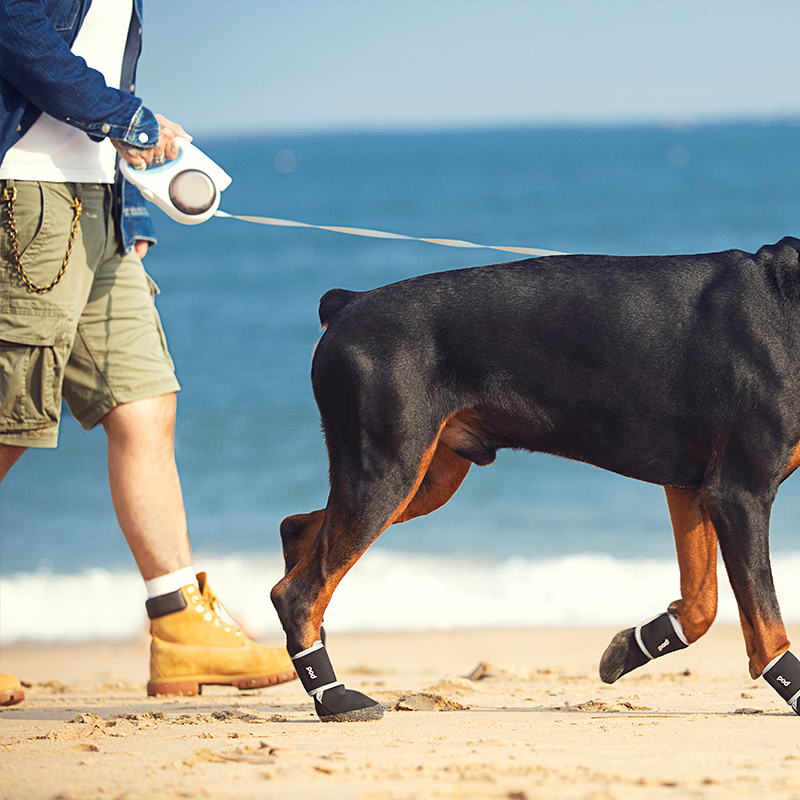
[(172, 150), (166, 149), (135, 156)]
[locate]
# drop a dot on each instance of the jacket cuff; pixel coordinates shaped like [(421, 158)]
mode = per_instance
[(141, 131)]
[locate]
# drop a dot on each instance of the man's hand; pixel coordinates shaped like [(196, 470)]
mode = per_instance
[(140, 247), (166, 149)]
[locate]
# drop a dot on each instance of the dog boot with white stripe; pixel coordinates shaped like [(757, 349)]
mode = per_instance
[(783, 675), (332, 702), (634, 647)]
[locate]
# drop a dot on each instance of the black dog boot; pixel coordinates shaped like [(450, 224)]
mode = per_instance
[(634, 647), (332, 702), (783, 675)]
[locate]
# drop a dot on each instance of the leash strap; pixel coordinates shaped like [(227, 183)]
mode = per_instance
[(288, 223)]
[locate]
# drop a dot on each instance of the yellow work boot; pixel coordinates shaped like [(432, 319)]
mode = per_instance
[(193, 645), (10, 690)]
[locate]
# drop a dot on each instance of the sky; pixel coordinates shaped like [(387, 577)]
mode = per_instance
[(274, 66)]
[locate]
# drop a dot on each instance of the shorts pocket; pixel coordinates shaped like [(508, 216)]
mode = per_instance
[(154, 290), (33, 354), (152, 285), (43, 218), (30, 211)]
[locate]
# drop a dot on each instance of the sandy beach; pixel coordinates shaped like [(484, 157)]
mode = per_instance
[(517, 714)]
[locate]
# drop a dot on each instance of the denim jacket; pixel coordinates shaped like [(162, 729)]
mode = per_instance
[(38, 72)]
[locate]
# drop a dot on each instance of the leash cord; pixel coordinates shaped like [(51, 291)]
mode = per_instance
[(287, 223)]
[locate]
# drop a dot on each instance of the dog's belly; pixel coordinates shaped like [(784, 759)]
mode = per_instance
[(477, 435)]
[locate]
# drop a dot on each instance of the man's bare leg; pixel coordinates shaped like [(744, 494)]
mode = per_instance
[(144, 483), (191, 645), (11, 691), (145, 487), (9, 455)]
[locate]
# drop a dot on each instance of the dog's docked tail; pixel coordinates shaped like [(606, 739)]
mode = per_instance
[(332, 303)]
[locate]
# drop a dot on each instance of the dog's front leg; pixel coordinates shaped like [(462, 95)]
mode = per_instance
[(687, 619)]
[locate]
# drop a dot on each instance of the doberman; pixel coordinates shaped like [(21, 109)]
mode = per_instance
[(683, 371)]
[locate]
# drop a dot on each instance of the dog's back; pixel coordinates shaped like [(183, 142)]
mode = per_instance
[(639, 365)]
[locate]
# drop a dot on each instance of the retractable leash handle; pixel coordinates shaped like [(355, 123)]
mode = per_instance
[(187, 188)]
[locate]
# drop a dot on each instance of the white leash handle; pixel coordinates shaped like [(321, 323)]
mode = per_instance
[(287, 223)]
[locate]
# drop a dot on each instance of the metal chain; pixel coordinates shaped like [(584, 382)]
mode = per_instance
[(77, 207)]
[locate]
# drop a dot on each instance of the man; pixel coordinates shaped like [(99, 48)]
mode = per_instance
[(77, 315)]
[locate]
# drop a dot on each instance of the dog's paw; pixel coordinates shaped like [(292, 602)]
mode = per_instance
[(621, 656), (345, 705)]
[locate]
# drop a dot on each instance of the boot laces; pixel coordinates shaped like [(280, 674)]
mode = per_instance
[(221, 614)]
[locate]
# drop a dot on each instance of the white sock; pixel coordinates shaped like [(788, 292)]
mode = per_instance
[(172, 581)]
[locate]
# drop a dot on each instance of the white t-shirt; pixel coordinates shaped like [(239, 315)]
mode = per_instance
[(54, 151)]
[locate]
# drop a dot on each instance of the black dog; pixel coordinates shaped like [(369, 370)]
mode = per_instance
[(682, 371)]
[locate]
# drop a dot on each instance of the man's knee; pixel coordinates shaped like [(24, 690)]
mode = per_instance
[(153, 415)]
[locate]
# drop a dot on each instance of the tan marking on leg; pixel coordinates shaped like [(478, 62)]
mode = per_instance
[(440, 482), (794, 462), (764, 641), (424, 463), (696, 546)]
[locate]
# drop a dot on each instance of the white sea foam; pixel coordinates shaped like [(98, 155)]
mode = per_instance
[(384, 591)]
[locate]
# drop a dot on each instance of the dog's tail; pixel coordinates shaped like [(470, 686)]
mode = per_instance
[(332, 303)]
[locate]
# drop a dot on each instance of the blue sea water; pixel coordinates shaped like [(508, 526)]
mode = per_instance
[(239, 305)]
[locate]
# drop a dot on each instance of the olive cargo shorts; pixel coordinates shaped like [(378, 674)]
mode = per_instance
[(96, 336)]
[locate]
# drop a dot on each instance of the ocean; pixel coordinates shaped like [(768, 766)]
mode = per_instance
[(531, 540)]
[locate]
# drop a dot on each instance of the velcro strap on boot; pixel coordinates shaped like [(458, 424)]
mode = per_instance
[(165, 604), (660, 635), (315, 670), (783, 675)]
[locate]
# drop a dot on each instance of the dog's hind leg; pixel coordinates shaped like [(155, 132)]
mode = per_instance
[(362, 504), (297, 534), (442, 478), (688, 618), (301, 598)]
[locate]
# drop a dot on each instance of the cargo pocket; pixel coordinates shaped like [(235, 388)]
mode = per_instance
[(154, 290), (33, 354), (153, 286)]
